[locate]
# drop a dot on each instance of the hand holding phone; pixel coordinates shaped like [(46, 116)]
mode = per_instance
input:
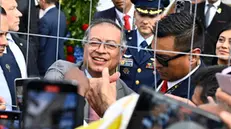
[(155, 110)]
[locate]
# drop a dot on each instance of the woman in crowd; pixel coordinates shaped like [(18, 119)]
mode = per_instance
[(223, 46)]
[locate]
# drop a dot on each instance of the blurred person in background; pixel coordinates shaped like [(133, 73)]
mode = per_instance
[(29, 9), (223, 46), (206, 84), (214, 16), (5, 93), (122, 13), (13, 62), (51, 24), (21, 53)]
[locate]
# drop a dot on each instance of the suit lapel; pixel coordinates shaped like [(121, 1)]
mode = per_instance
[(201, 10), (216, 17), (113, 14), (22, 46)]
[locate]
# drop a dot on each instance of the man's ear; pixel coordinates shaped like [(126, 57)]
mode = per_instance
[(195, 56), (122, 52)]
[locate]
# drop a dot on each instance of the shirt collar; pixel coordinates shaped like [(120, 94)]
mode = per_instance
[(9, 40), (87, 73), (9, 37), (140, 39), (216, 4), (47, 9), (171, 84), (130, 12)]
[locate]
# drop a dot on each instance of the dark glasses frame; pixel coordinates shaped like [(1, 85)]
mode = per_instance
[(164, 62)]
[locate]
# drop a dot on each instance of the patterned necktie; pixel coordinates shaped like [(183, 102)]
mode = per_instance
[(207, 15), (126, 22), (164, 87)]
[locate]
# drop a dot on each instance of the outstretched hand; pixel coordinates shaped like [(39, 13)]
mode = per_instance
[(102, 92)]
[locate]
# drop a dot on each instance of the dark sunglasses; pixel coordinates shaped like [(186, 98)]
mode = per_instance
[(164, 61)]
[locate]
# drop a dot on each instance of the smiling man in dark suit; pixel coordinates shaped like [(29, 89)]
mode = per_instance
[(214, 15)]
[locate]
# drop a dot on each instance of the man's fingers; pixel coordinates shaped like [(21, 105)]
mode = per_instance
[(114, 77), (105, 75), (91, 97), (211, 100), (222, 96), (225, 116)]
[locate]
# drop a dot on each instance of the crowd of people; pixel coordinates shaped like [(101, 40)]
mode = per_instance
[(136, 43)]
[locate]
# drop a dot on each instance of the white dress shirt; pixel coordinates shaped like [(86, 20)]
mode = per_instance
[(213, 9), (140, 39), (121, 16), (171, 84), (18, 56), (5, 92)]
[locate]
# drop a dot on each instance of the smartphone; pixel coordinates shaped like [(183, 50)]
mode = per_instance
[(224, 81), (157, 111), (183, 5), (10, 119), (50, 105), (19, 83)]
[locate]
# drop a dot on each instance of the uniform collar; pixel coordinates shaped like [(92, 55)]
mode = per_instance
[(9, 41), (140, 39), (87, 73)]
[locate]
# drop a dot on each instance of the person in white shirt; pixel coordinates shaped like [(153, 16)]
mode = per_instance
[(5, 96)]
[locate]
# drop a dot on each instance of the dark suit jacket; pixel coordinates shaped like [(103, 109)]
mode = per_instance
[(23, 7), (106, 14), (48, 25), (212, 32), (32, 69), (182, 89), (130, 74)]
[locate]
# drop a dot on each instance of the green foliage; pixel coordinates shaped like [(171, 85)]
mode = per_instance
[(77, 13)]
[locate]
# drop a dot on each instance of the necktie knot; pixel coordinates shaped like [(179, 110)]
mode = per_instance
[(144, 44), (126, 22), (164, 87), (126, 17), (210, 5)]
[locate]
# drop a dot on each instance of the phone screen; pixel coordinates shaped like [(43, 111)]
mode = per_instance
[(183, 5), (156, 111), (10, 120), (50, 106), (19, 83)]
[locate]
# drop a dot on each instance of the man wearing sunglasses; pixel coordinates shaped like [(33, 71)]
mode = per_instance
[(177, 47), (137, 63)]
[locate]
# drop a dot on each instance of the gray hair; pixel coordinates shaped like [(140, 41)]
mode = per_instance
[(100, 21)]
